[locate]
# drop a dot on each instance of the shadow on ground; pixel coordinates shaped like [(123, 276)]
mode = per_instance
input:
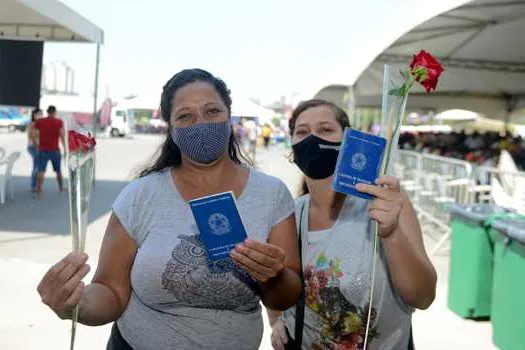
[(50, 215)]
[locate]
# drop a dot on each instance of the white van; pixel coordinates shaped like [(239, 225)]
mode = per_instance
[(122, 122)]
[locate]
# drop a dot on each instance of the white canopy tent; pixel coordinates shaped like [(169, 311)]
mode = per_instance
[(71, 108), (69, 103), (243, 107), (456, 115), (45, 20), (481, 44), (49, 21), (143, 101)]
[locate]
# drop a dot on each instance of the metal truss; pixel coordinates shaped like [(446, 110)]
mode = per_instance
[(497, 66)]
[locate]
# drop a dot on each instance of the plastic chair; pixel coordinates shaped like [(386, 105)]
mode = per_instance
[(6, 183)]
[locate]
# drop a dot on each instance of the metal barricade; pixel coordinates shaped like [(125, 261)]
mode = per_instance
[(444, 166), (408, 170), (409, 159), (431, 182)]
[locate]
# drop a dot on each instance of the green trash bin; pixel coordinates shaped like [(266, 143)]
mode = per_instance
[(508, 293), (471, 260)]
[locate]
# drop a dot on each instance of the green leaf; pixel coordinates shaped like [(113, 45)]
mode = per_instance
[(395, 92), (406, 74)]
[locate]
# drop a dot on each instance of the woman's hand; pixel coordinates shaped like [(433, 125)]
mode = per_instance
[(279, 336), (387, 204), (62, 286), (262, 261)]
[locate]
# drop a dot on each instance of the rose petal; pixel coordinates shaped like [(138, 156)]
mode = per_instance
[(432, 66)]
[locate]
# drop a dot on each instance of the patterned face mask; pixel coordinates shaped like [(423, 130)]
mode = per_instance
[(203, 142)]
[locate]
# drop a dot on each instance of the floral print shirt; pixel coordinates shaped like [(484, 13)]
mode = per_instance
[(337, 265)]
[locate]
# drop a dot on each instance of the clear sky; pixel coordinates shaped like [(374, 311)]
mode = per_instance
[(262, 49)]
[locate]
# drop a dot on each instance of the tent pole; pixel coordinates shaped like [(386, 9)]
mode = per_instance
[(95, 96), (95, 91), (352, 113), (512, 102)]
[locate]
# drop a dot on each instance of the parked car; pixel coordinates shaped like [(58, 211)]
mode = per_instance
[(11, 119)]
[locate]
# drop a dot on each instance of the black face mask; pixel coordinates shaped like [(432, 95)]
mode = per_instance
[(316, 157)]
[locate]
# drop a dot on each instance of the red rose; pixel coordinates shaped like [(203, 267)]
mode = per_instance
[(80, 142), (426, 69), (73, 142)]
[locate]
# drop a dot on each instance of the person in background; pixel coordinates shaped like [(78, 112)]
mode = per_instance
[(153, 275), (238, 132), (337, 237), (474, 141), (32, 145), (49, 131), (267, 134), (251, 138)]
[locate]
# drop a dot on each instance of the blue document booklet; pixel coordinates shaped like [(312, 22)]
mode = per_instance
[(359, 161), (219, 223)]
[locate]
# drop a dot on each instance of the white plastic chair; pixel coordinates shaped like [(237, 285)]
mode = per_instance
[(454, 191), (6, 183), (2, 153)]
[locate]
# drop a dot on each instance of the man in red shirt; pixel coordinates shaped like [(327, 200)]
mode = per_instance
[(48, 131)]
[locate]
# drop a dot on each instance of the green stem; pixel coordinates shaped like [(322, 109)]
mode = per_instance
[(405, 88), (396, 129)]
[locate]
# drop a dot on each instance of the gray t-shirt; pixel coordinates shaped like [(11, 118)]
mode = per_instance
[(178, 299)]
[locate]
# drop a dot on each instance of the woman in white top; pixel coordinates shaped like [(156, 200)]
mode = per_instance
[(32, 146), (337, 249)]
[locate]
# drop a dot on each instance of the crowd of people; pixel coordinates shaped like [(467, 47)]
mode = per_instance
[(479, 148), (248, 132)]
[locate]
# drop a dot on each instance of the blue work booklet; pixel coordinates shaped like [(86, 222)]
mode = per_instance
[(359, 161), (219, 223)]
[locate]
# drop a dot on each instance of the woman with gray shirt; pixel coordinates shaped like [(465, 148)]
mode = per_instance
[(153, 276), (338, 250)]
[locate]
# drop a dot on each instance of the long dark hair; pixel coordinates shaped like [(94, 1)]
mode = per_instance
[(170, 155), (340, 116), (34, 112)]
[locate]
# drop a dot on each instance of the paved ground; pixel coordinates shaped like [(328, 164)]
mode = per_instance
[(34, 234)]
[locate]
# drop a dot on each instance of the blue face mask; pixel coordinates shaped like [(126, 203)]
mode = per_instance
[(203, 142)]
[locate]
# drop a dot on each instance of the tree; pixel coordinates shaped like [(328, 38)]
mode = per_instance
[(276, 121)]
